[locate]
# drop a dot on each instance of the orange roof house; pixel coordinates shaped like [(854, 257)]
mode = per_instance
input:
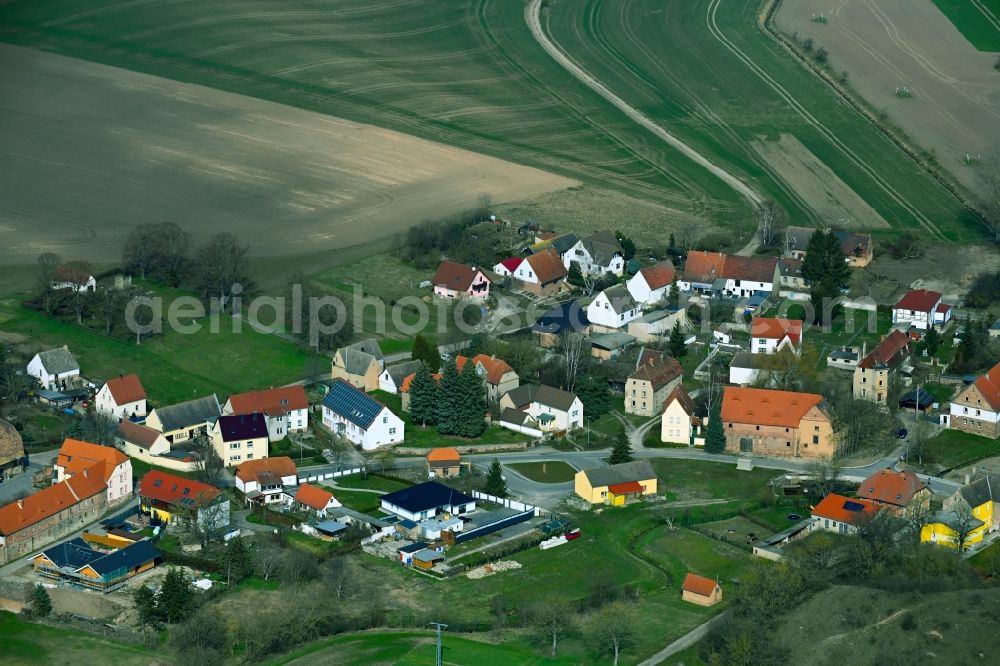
[(700, 590), (894, 490), (444, 461), (315, 498), (281, 466), (112, 466), (273, 402), (777, 423), (889, 351), (836, 513), (49, 502), (768, 333), (975, 408)]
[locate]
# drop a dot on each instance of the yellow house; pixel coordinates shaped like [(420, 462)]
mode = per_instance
[(359, 364), (946, 526), (616, 484)]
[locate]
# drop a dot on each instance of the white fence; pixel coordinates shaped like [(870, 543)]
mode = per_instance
[(509, 503), (331, 475), (524, 430)]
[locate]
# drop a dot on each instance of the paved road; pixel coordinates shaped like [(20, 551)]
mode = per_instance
[(685, 641), (21, 483)]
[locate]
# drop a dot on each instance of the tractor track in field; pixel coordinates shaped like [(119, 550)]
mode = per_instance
[(532, 15), (713, 27)]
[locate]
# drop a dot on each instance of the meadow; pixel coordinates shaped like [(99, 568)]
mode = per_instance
[(978, 20), (24, 643)]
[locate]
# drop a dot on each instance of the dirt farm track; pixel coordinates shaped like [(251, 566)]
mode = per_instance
[(87, 151), (954, 103)]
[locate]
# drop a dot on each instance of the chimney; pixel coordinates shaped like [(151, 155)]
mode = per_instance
[(85, 472), (20, 504)]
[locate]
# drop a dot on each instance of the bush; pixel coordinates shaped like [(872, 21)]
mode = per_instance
[(908, 623)]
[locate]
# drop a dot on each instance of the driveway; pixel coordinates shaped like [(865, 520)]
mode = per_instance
[(21, 483)]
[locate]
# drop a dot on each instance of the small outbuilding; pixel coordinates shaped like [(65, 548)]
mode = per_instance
[(700, 590), (426, 558)]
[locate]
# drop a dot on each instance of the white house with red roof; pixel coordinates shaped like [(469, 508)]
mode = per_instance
[(839, 514), (508, 266), (314, 499), (542, 273), (921, 308), (285, 409), (121, 398), (453, 280), (652, 283), (976, 410), (264, 480), (770, 334), (114, 468)]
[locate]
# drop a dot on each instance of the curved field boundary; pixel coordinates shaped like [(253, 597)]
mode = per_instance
[(767, 13), (532, 15), (710, 18)]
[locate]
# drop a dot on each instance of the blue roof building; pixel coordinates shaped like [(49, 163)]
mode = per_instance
[(361, 419), (77, 563), (427, 500)]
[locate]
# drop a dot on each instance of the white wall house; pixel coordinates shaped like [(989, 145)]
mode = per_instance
[(921, 308), (360, 418), (770, 334), (285, 409), (427, 500), (264, 481), (556, 409), (613, 308), (597, 255), (732, 275), (55, 369), (652, 283), (83, 283), (78, 458), (121, 398)]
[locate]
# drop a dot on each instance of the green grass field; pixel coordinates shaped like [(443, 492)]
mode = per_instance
[(978, 20), (28, 643), (409, 649), (173, 367), (553, 471), (471, 75), (696, 479), (953, 448)]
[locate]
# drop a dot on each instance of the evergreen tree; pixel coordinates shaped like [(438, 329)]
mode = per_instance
[(674, 295), (424, 397), (237, 559), (594, 394), (144, 600), (575, 275), (471, 401), (478, 344), (932, 341), (825, 269), (425, 350), (677, 346), (495, 483), (174, 602), (449, 406), (715, 437), (41, 603), (628, 246), (672, 246), (622, 451)]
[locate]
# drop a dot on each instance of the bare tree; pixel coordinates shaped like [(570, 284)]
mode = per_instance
[(571, 351), (825, 472), (210, 519), (386, 459), (917, 441), (769, 218), (686, 236), (267, 560), (964, 523), (158, 251), (554, 619), (612, 629), (485, 205), (298, 567), (222, 263), (338, 576), (989, 175), (47, 264), (209, 466)]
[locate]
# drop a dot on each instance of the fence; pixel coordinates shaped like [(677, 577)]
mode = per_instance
[(330, 475), (477, 532), (121, 517), (504, 501)]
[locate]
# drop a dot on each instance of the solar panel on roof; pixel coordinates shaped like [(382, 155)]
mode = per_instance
[(853, 506)]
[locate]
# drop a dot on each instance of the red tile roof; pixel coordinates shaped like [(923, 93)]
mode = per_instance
[(660, 374), (511, 263), (495, 368), (280, 465), (708, 266), (943, 307), (888, 352), (918, 300), (76, 456), (699, 585), (681, 396), (71, 274), (766, 406), (626, 487), (274, 402), (49, 502), (547, 266), (890, 487), (171, 488), (776, 329), (989, 386), (126, 389), (456, 277), (658, 275), (445, 454), (844, 509), (408, 379), (313, 497), (704, 266), (136, 433)]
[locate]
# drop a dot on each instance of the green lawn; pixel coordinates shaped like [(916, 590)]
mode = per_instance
[(373, 482), (352, 499), (28, 643), (410, 649), (776, 517), (140, 467), (173, 367), (970, 17), (952, 448), (309, 544), (696, 479), (552, 471)]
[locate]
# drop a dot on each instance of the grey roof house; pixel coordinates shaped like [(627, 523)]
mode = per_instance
[(186, 419)]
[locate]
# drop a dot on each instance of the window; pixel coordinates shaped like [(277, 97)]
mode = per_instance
[(758, 427), (788, 443), (815, 439), (392, 431), (576, 412), (385, 419)]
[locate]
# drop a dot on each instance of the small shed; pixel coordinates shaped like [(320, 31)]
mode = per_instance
[(700, 590), (331, 527), (426, 558), (919, 399), (406, 552)]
